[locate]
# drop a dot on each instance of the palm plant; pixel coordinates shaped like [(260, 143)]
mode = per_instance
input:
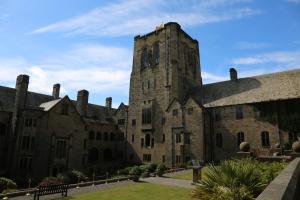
[(231, 180)]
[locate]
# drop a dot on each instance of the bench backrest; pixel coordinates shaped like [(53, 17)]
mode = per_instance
[(52, 189)]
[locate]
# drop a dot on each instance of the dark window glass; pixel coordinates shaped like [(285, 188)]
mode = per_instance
[(112, 136), (34, 122), (148, 140), (2, 129), (133, 122), (152, 142), (265, 141), (175, 112), (144, 59), (132, 138), (146, 116), (164, 138), (65, 109), (142, 142), (61, 146), (156, 53), (105, 136), (163, 158), (178, 138), (93, 155), (217, 113), (121, 121), (219, 140), (293, 136), (84, 144), (190, 111), (107, 155), (187, 138), (240, 138), (239, 112), (163, 120), (99, 136), (147, 157), (91, 135)]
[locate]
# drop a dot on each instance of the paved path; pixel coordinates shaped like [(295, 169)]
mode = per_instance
[(178, 173), (81, 190), (169, 181)]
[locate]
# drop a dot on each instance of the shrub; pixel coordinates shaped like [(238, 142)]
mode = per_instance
[(145, 174), (160, 170), (7, 184), (48, 181), (125, 171), (152, 167), (144, 168), (135, 173), (72, 176), (236, 179)]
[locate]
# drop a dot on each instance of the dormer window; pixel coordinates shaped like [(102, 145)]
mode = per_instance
[(64, 109)]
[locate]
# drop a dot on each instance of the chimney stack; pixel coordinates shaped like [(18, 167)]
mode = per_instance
[(55, 92), (82, 102), (108, 102), (233, 74)]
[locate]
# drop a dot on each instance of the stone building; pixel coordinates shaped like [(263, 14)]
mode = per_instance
[(43, 135), (172, 117)]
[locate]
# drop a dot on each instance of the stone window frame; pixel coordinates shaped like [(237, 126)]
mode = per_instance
[(178, 138), (121, 122)]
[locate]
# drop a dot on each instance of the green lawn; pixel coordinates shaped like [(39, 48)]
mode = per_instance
[(189, 175), (145, 191)]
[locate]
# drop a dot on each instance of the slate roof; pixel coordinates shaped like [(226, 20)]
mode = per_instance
[(7, 98), (95, 113), (268, 87), (50, 104)]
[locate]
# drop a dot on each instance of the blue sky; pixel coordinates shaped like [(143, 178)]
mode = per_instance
[(87, 44)]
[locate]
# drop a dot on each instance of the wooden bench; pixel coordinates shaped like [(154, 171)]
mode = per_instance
[(52, 189)]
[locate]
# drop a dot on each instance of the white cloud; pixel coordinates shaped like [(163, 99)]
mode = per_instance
[(210, 78), (97, 68), (244, 45), (289, 59), (128, 17)]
